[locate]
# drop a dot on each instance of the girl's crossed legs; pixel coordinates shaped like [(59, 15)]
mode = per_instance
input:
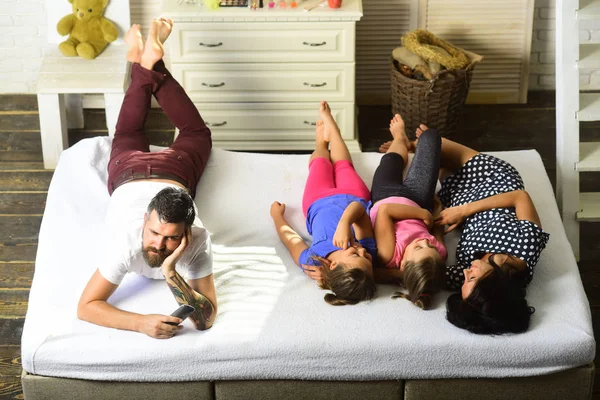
[(421, 178), (330, 167)]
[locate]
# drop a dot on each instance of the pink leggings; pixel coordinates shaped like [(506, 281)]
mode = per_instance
[(325, 179)]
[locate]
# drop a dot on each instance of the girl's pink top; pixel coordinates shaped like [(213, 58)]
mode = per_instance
[(407, 230)]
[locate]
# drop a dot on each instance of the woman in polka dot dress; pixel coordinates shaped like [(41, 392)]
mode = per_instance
[(500, 244)]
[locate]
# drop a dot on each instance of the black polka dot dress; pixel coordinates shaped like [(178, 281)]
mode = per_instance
[(493, 231)]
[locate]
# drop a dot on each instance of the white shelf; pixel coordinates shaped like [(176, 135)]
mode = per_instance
[(589, 107), (588, 10), (589, 207), (589, 156), (589, 58), (589, 55)]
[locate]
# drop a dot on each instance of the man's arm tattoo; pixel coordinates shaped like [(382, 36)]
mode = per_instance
[(184, 294)]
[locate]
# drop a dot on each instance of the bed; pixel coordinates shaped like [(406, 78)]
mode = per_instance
[(274, 336)]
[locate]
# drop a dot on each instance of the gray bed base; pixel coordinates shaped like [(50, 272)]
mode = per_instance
[(573, 384)]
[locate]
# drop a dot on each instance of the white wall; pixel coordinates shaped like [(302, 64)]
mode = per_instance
[(541, 76), (23, 36)]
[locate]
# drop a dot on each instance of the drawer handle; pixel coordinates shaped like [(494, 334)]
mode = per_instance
[(310, 123), (210, 44), (314, 44), (212, 85), (315, 84), (216, 124)]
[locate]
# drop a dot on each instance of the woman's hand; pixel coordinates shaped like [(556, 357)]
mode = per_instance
[(437, 206), (427, 219), (343, 237), (277, 209), (453, 216)]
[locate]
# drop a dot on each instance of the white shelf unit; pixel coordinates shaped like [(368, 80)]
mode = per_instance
[(573, 107)]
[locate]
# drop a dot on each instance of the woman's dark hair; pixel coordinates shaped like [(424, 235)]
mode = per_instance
[(173, 206), (422, 280), (349, 285), (496, 305)]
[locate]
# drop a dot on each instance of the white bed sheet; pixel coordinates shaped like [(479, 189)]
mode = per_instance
[(272, 321)]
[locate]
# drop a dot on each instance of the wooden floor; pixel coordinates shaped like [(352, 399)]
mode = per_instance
[(24, 184)]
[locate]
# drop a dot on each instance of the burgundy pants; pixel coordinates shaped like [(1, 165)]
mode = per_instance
[(130, 157)]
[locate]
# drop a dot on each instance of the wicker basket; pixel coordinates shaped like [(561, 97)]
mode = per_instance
[(437, 103)]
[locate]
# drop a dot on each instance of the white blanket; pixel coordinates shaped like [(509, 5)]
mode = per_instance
[(272, 321)]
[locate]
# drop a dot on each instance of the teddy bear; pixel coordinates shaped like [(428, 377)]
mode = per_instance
[(89, 32)]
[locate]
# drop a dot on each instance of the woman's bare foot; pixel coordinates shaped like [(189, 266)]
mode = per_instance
[(165, 29), (330, 124), (422, 128), (385, 147), (134, 39), (153, 50)]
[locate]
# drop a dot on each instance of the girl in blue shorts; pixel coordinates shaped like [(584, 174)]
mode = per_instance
[(335, 201)]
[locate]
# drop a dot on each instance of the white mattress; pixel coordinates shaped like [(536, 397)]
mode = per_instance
[(272, 321)]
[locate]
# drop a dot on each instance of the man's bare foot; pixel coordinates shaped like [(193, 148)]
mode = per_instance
[(422, 128), (165, 29), (330, 124), (153, 50), (320, 132), (134, 39)]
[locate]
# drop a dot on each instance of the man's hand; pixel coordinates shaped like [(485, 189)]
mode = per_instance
[(155, 325), (343, 237), (312, 271), (170, 261), (453, 216), (277, 209)]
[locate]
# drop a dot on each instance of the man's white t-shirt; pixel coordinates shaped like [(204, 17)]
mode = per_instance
[(125, 220)]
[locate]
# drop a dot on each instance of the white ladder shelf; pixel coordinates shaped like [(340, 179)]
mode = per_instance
[(573, 107)]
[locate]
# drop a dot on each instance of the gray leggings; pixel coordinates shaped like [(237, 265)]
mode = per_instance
[(422, 176)]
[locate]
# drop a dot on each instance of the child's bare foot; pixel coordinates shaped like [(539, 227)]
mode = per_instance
[(422, 128), (153, 50), (397, 130), (330, 124), (165, 28), (320, 134), (134, 39)]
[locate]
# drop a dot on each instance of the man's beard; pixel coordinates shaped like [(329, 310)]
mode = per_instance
[(155, 260)]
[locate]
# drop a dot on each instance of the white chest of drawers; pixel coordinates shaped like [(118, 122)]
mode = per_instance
[(257, 76)]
